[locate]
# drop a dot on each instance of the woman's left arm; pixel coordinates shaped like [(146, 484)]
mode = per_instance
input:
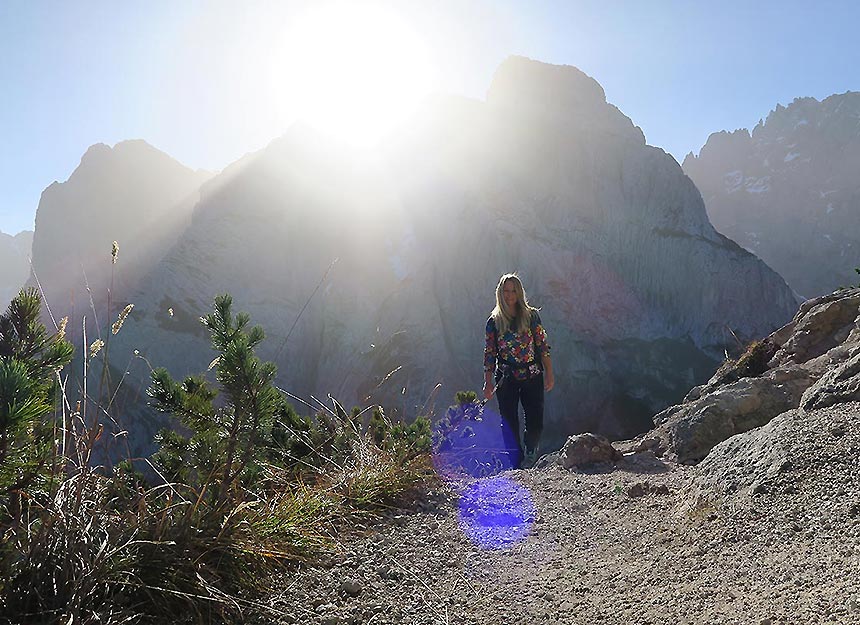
[(544, 349), (548, 376)]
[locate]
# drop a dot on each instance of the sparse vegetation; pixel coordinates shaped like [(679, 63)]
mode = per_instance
[(469, 440), (241, 486), (752, 363)]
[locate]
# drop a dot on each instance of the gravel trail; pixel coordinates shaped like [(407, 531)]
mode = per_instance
[(629, 544)]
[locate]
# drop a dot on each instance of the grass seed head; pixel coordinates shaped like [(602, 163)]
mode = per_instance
[(117, 325), (95, 347), (61, 331)]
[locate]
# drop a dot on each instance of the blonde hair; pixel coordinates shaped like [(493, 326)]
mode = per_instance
[(520, 319)]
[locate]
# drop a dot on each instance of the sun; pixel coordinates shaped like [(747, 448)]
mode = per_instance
[(354, 70)]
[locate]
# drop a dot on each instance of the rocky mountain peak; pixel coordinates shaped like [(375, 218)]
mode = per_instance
[(96, 153), (132, 155), (131, 193), (788, 191), (557, 94), (721, 147), (834, 119), (525, 82)]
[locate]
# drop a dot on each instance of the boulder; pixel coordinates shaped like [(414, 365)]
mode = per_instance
[(820, 325), (737, 407), (582, 450)]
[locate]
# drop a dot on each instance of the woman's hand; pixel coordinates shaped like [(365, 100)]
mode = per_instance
[(548, 376), (488, 391)]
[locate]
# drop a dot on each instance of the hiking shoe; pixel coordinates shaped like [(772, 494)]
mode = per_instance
[(529, 459)]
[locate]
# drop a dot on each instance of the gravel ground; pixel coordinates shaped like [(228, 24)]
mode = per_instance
[(642, 542)]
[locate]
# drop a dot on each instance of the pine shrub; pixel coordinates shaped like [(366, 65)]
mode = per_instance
[(245, 484)]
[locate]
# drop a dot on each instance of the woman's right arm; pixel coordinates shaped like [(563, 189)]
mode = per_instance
[(488, 384), (489, 358)]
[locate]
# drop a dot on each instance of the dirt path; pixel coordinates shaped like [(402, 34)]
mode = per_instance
[(589, 552)]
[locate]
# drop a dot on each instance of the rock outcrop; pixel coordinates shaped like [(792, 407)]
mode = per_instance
[(373, 275), (788, 191), (813, 362), (795, 476), (14, 264)]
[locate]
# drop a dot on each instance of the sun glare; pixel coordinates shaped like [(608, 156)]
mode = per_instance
[(355, 71)]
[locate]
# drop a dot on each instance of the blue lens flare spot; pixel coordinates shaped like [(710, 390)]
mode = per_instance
[(496, 512)]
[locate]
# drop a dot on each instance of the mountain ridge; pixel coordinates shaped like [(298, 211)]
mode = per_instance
[(787, 191), (133, 194)]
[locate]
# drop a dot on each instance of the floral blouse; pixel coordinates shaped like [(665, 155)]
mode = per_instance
[(516, 349)]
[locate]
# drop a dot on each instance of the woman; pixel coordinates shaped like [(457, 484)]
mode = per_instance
[(517, 355)]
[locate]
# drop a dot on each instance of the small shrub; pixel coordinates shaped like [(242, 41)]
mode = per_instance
[(465, 397), (752, 363), (29, 361), (227, 442), (404, 441)]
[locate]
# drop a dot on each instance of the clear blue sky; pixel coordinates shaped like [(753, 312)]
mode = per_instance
[(199, 79)]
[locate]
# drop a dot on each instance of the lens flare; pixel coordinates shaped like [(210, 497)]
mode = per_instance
[(496, 512), (472, 440)]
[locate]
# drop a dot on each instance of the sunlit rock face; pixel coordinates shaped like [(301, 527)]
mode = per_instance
[(14, 264), (132, 194), (789, 191), (639, 293)]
